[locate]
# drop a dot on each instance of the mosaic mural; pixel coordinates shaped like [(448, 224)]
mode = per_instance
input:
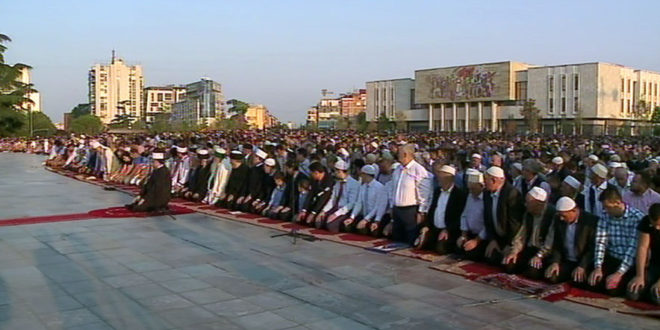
[(468, 82)]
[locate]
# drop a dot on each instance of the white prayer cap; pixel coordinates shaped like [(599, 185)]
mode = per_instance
[(374, 144), (181, 149), (236, 152), (203, 152), (128, 149), (472, 171), (344, 152), (614, 165), (476, 156), (558, 160), (261, 154), (395, 166), (615, 158), (219, 150), (369, 169), (341, 165), (600, 170), (270, 162), (538, 193), (475, 177), (371, 158), (158, 155), (495, 171), (593, 157), (448, 169), (517, 166), (565, 204), (573, 182), (95, 144)]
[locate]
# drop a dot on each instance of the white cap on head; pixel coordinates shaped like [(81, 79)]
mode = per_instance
[(219, 150), (538, 193), (600, 170), (558, 160), (448, 169), (344, 152), (95, 144), (341, 165), (517, 166), (181, 149), (475, 177), (236, 152), (615, 158), (374, 144), (395, 166), (369, 169), (203, 152), (158, 155), (261, 154), (593, 157), (614, 165), (565, 204), (371, 158), (476, 156), (573, 182), (495, 171), (270, 162)]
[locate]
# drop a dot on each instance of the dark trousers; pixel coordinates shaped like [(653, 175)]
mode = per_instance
[(652, 276), (566, 269), (609, 267), (404, 225), (378, 232), (444, 246), (476, 254)]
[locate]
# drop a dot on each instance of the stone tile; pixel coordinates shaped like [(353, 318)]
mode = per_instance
[(223, 324), (188, 317), (145, 291), (233, 308), (410, 290), (338, 323), (265, 321), (121, 281), (165, 302), (207, 296), (165, 275), (146, 266), (304, 313), (184, 285), (272, 300), (72, 318)]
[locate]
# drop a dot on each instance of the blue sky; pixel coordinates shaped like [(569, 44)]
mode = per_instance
[(282, 53)]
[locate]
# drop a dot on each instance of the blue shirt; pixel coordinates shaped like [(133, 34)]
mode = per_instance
[(569, 242)]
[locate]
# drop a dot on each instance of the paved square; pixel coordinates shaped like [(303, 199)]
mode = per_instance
[(200, 272)]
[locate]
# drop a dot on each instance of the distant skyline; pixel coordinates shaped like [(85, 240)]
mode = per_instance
[(282, 53)]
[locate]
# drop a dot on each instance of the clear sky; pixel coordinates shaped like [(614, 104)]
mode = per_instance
[(282, 53)]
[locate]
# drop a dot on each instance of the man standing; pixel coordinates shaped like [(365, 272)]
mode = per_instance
[(616, 243), (411, 191), (442, 228), (572, 253), (503, 213)]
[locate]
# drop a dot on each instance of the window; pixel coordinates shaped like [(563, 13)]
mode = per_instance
[(551, 84), (628, 106), (551, 105), (623, 105), (563, 83), (392, 93), (576, 105), (563, 104), (521, 90), (629, 85), (643, 88), (576, 81), (623, 85)]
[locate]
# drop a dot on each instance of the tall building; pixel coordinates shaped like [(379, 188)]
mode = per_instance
[(313, 116), (389, 98), (329, 111), (589, 98), (352, 104), (116, 89), (160, 99), (35, 97), (203, 103)]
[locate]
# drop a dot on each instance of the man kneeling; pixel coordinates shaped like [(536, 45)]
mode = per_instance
[(156, 192)]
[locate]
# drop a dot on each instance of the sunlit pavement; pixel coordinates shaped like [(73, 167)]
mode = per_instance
[(200, 272)]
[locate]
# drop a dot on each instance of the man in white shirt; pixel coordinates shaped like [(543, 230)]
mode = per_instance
[(371, 206), (442, 227), (343, 199), (411, 195), (598, 184)]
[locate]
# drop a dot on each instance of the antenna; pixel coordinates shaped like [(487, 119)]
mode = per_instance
[(113, 56)]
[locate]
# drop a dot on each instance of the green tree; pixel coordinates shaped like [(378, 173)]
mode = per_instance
[(13, 93), (81, 109), (531, 115), (238, 107), (87, 124), (41, 125), (362, 124), (384, 123)]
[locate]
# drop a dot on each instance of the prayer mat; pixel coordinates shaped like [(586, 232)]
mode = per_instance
[(122, 212), (388, 247)]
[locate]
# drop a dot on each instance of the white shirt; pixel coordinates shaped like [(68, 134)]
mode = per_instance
[(412, 186), (597, 208), (372, 201), (439, 214)]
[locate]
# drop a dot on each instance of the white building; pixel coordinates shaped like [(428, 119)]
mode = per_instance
[(116, 89), (26, 78), (203, 103)]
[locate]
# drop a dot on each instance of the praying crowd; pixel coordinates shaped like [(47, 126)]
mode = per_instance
[(555, 208)]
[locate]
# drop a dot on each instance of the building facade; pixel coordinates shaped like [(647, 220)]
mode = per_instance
[(352, 104), (35, 97), (329, 110), (588, 98), (258, 117), (203, 103), (160, 99), (389, 97), (116, 89)]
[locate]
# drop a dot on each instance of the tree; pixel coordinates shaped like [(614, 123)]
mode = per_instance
[(531, 114), (121, 121), (233, 123), (87, 124), (400, 120), (81, 109), (238, 107), (13, 93), (655, 120), (383, 123), (41, 125), (362, 123)]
